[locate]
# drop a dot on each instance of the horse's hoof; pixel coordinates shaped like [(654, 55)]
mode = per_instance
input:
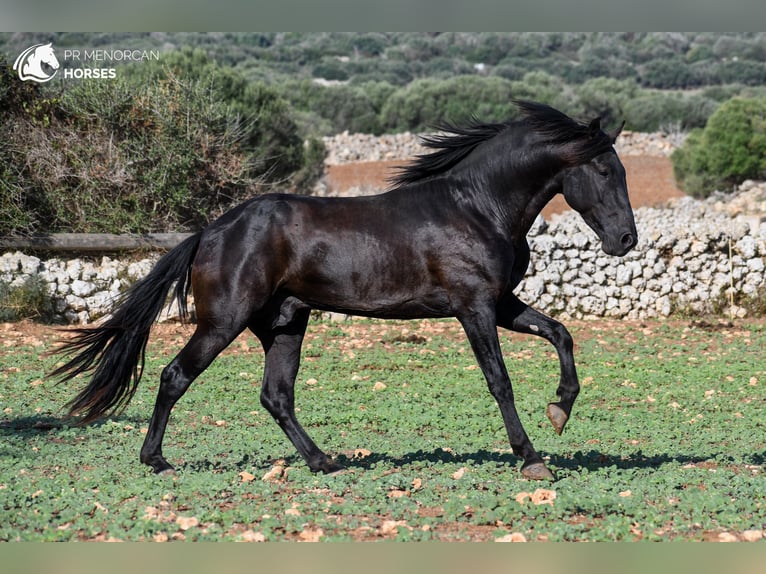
[(537, 471), (557, 416), (333, 468), (161, 467), (338, 469), (328, 466)]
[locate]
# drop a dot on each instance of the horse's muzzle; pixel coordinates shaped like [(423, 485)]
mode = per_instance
[(619, 248)]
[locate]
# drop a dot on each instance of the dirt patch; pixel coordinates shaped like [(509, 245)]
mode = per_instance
[(650, 181), (168, 338)]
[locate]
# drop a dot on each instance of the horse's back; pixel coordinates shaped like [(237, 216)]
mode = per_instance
[(357, 255)]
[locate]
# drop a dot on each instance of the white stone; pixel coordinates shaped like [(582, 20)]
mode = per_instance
[(82, 288)]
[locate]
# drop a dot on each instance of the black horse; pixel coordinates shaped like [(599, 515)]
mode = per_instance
[(447, 240)]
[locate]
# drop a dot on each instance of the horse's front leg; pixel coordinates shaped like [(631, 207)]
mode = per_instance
[(517, 316), (481, 330)]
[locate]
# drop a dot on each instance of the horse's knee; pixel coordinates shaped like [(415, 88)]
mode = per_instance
[(502, 391)]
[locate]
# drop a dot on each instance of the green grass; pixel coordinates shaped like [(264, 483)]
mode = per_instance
[(666, 441)]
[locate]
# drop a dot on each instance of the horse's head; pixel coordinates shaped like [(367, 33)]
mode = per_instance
[(597, 190), (46, 55)]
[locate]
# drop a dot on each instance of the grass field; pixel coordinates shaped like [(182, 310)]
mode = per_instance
[(667, 441)]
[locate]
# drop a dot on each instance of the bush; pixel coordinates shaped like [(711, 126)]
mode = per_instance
[(663, 111), (29, 300), (330, 69), (328, 110), (543, 87), (606, 98), (669, 73), (263, 115), (166, 151), (425, 103), (730, 149)]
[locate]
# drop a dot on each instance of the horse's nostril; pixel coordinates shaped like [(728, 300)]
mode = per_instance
[(627, 240)]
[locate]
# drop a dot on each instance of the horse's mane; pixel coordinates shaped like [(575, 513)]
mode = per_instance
[(576, 142), (452, 144)]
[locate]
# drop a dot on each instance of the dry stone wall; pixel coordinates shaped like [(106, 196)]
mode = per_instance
[(79, 290), (690, 258)]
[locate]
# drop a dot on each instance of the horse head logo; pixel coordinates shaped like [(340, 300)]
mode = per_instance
[(29, 64)]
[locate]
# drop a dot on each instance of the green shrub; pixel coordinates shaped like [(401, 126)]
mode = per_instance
[(671, 72), (730, 149), (117, 159), (330, 69), (427, 102), (328, 110), (262, 116), (165, 150), (606, 98), (27, 301), (543, 87), (666, 111)]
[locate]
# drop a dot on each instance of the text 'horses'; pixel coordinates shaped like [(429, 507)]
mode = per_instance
[(448, 240)]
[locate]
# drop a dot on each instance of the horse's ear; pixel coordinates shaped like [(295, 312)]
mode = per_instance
[(613, 134), (594, 127)]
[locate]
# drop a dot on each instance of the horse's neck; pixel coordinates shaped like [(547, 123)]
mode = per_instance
[(539, 201), (521, 204)]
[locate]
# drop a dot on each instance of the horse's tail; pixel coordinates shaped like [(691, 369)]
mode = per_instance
[(115, 350)]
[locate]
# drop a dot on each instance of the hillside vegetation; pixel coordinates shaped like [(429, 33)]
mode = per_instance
[(168, 145)]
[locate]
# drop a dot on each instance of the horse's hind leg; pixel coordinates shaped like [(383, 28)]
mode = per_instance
[(206, 343), (522, 318), (282, 339)]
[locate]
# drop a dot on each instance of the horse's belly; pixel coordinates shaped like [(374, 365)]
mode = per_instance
[(396, 303), (413, 309)]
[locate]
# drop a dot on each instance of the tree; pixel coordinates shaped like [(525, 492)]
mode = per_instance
[(333, 109), (669, 73), (730, 149), (425, 103)]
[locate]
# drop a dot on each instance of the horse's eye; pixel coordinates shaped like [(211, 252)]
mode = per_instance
[(603, 172)]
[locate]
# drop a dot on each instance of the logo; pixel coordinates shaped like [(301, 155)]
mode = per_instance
[(37, 63)]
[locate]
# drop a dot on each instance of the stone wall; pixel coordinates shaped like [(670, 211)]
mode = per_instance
[(79, 290), (692, 256)]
